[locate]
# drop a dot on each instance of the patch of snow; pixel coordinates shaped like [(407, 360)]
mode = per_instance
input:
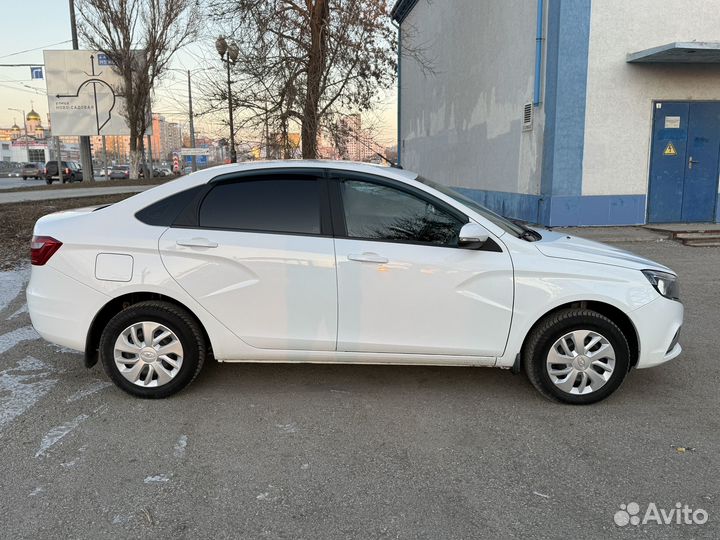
[(88, 390), (180, 446), (9, 340), (23, 386), (19, 311), (11, 284), (287, 428), (156, 479), (56, 434)]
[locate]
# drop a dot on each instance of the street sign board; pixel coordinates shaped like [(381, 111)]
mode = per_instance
[(36, 72), (84, 94), (195, 151)]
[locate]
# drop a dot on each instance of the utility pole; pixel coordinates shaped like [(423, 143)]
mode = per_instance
[(231, 51), (192, 123), (85, 153)]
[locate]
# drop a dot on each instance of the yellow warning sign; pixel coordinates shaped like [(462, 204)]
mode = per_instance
[(670, 150)]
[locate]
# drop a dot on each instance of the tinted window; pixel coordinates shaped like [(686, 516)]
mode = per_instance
[(379, 212), (266, 205), (164, 212)]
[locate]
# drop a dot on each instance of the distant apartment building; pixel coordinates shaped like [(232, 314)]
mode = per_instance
[(580, 112), (349, 140)]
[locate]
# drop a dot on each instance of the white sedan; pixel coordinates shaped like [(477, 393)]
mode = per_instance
[(332, 262)]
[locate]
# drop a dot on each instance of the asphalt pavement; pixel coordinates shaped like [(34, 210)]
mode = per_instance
[(311, 451)]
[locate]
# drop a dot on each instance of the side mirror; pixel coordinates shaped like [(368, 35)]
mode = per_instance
[(472, 236)]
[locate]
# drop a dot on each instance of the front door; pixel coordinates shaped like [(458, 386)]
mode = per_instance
[(685, 162), (403, 284)]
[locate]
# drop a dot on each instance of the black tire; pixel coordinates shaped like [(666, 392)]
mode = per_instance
[(551, 329), (48, 181), (24, 177), (174, 318)]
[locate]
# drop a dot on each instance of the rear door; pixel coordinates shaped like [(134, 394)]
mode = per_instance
[(257, 252)]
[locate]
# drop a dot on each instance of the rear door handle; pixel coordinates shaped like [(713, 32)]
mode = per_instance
[(197, 242), (368, 257)]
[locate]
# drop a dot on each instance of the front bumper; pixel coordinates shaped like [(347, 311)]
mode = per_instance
[(658, 324), (61, 308)]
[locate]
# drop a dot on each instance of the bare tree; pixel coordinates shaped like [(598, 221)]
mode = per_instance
[(304, 61), (139, 37)]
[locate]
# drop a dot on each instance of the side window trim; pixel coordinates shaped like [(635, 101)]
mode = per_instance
[(189, 218), (338, 209)]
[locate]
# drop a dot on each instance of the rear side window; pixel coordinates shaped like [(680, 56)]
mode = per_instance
[(164, 211), (277, 205)]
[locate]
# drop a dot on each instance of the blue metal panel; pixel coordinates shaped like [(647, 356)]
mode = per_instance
[(703, 152), (570, 211), (667, 171), (568, 44)]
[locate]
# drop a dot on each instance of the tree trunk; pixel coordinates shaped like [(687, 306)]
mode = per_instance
[(135, 154), (316, 64)]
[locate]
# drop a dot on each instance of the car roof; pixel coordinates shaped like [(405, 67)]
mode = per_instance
[(353, 166)]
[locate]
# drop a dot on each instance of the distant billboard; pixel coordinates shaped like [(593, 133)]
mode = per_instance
[(84, 94)]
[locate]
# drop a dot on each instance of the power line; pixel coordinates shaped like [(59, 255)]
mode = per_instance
[(36, 48)]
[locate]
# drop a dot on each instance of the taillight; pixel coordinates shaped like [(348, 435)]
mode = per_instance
[(42, 248), (67, 171)]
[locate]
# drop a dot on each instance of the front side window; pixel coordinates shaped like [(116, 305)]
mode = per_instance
[(264, 205), (380, 212)]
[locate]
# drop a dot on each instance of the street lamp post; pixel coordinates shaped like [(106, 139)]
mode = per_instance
[(229, 53)]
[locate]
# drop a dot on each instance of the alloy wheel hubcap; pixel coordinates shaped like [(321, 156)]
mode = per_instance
[(148, 354), (581, 362)]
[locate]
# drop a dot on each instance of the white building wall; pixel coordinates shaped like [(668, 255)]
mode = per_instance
[(618, 120), (462, 124)]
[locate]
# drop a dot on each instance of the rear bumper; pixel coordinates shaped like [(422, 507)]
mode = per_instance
[(61, 308), (658, 324)]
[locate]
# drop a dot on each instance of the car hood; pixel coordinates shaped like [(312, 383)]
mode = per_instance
[(563, 246)]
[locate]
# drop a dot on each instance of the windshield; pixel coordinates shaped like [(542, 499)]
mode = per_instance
[(505, 224)]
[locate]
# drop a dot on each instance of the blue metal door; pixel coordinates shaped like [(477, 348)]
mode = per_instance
[(684, 162), (701, 173)]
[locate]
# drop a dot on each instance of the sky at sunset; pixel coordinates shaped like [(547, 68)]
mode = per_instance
[(45, 24)]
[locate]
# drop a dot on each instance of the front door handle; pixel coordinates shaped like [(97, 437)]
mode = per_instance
[(692, 162), (197, 242), (368, 257)]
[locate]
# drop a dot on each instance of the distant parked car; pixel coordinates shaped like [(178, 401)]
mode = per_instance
[(120, 172), (31, 170), (71, 172), (15, 173), (155, 172), (165, 171)]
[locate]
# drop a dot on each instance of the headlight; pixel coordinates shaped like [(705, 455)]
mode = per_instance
[(664, 283)]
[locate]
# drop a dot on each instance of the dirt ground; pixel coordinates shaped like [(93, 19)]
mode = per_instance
[(17, 221)]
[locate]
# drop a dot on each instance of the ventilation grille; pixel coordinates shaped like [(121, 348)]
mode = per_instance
[(528, 117)]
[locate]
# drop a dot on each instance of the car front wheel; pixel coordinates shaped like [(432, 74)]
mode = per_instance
[(576, 356), (152, 349)]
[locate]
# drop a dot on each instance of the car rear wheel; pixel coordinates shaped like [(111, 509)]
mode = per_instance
[(152, 349), (576, 356)]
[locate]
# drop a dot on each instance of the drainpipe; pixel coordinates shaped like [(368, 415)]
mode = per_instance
[(537, 99), (399, 94)]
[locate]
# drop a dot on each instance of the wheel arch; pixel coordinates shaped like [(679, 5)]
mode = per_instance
[(615, 314), (115, 306)]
